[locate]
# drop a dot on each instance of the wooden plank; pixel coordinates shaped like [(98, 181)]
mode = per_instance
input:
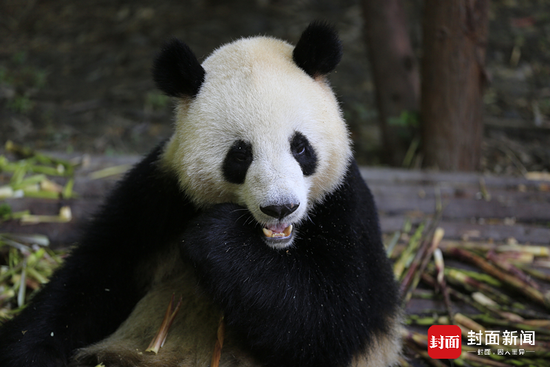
[(464, 208), (397, 175)]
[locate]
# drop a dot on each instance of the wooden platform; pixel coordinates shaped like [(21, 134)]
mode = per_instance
[(470, 206)]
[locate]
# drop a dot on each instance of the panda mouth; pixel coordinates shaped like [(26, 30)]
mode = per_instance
[(278, 235), (278, 231)]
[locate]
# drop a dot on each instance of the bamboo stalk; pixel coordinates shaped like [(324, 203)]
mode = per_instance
[(26, 152), (535, 250), (455, 294), (440, 268), (493, 306), (512, 281), (216, 355), (524, 324), (391, 245), (407, 254), (162, 334), (511, 269), (535, 273), (458, 277), (480, 277), (64, 216), (416, 269)]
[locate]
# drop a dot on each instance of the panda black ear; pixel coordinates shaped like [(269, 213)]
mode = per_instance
[(319, 49), (176, 70)]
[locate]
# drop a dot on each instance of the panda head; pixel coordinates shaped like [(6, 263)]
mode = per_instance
[(257, 124)]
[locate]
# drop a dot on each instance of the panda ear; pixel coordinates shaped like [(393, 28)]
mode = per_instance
[(319, 49), (176, 70)]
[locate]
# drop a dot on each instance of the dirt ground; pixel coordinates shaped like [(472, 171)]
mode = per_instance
[(75, 76)]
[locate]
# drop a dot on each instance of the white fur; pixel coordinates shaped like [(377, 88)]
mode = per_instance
[(255, 92)]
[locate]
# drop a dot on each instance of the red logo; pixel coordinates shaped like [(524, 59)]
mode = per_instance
[(444, 342)]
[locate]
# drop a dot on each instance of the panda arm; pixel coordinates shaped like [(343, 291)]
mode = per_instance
[(318, 303), (97, 287)]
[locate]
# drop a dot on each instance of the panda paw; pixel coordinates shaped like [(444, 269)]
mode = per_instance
[(217, 228)]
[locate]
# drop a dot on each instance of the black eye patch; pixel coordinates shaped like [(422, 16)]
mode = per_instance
[(236, 162), (304, 153)]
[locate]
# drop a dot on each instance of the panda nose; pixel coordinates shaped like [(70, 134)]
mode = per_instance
[(279, 211)]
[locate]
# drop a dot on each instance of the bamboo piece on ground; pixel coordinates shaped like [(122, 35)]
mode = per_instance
[(458, 277), (468, 322), (416, 260), (440, 267), (411, 279), (26, 152), (535, 273), (522, 325), (63, 217), (169, 316), (509, 279), (493, 306), (510, 268), (391, 245), (219, 344), (521, 257), (421, 320), (455, 294), (480, 277), (502, 305), (535, 250), (407, 254)]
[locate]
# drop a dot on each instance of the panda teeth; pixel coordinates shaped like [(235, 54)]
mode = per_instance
[(288, 231), (270, 233)]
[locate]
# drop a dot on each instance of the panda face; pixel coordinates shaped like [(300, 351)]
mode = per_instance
[(261, 133), (274, 190)]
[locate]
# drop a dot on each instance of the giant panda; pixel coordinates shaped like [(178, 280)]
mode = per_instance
[(254, 210)]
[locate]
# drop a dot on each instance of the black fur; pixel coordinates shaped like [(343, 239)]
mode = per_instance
[(237, 161), (304, 153), (96, 289), (176, 70), (319, 49), (315, 304)]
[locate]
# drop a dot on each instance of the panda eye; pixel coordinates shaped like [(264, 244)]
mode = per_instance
[(299, 145), (240, 156), (304, 153), (299, 150), (241, 152), (236, 162)]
